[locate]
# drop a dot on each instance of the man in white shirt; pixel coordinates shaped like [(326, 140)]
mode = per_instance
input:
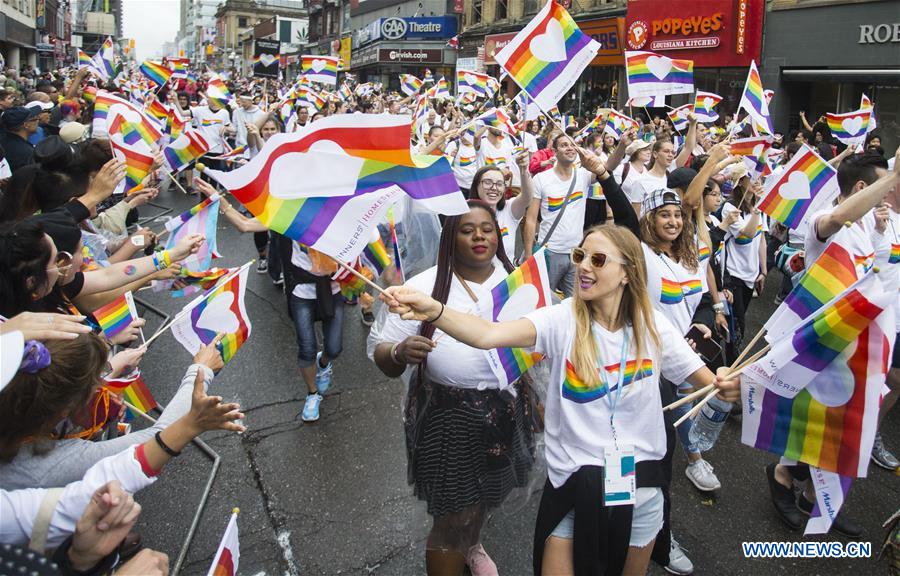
[(551, 187), (247, 113)]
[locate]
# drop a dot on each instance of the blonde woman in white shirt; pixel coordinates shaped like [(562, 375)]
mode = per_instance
[(608, 323)]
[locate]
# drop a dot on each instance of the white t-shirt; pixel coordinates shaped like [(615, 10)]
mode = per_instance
[(551, 191), (742, 252), (451, 363), (627, 184), (673, 289), (576, 418), (530, 142), (300, 259), (490, 155), (892, 267), (509, 227), (241, 118), (645, 184), (211, 125), (464, 162)]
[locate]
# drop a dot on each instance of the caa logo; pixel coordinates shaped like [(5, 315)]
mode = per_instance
[(637, 34)]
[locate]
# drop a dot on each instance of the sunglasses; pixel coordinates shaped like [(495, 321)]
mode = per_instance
[(598, 259)]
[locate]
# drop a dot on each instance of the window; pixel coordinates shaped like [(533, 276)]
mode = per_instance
[(501, 12), (477, 6), (531, 7), (242, 21)]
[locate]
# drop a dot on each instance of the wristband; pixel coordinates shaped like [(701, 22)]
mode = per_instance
[(436, 318), (162, 445), (167, 258), (719, 307), (394, 358)]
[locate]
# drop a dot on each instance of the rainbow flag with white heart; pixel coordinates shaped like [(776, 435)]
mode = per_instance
[(704, 103), (526, 289), (807, 184), (650, 74), (850, 128), (548, 56), (322, 69)]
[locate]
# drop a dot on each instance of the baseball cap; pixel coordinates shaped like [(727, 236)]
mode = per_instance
[(12, 345), (680, 178), (42, 106), (659, 198), (636, 147), (72, 132), (15, 117)]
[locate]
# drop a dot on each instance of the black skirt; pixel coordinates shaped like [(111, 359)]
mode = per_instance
[(467, 447)]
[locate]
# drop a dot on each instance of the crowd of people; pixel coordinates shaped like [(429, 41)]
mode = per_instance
[(621, 219)]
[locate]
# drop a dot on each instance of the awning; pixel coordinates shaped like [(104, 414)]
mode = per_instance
[(885, 75)]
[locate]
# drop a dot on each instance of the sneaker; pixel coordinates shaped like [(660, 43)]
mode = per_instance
[(679, 563), (783, 500), (842, 524), (262, 266), (323, 375), (700, 473), (367, 317), (479, 563), (311, 407), (280, 281), (882, 456)]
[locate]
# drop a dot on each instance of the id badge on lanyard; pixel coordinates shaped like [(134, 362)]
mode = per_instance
[(619, 474)]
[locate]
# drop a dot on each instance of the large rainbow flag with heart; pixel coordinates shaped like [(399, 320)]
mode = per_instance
[(807, 184), (650, 74)]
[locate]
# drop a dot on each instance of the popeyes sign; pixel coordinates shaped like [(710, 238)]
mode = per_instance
[(712, 33)]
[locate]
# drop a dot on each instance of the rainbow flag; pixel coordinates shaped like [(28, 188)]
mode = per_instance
[(234, 153), (179, 67), (112, 112), (158, 110), (138, 160), (322, 69), (753, 100), (319, 195), (116, 316), (679, 117), (409, 84), (850, 128), (508, 364), (755, 150), (175, 124), (429, 77), (217, 91), (865, 103), (650, 74), (375, 254), (187, 148), (824, 280), (351, 285), (218, 310), (155, 72), (548, 56), (646, 102), (814, 397), (84, 61), (201, 219), (395, 246), (499, 119), (596, 192), (806, 185), (194, 282), (138, 395), (440, 90), (704, 103), (225, 562), (344, 92), (468, 81), (105, 60), (618, 124)]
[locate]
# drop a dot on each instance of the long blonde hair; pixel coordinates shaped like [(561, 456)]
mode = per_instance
[(634, 310)]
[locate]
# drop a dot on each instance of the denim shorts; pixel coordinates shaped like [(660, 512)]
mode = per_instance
[(646, 522)]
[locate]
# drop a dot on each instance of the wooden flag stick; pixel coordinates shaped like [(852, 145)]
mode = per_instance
[(358, 275), (740, 368), (748, 347), (689, 397), (175, 181), (696, 409)]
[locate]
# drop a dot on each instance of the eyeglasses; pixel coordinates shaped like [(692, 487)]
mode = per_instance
[(63, 262), (495, 184), (598, 259)]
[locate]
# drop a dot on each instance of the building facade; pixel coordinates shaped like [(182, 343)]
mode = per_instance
[(17, 33), (822, 56)]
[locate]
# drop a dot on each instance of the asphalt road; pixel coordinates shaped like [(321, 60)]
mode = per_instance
[(332, 498)]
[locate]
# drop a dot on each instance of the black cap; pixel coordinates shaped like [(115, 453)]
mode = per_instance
[(58, 224), (680, 178), (15, 117), (52, 153)]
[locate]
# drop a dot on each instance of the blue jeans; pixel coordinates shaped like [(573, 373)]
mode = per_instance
[(304, 312), (684, 430), (561, 272)]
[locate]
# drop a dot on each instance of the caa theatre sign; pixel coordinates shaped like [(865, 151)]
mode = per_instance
[(712, 33)]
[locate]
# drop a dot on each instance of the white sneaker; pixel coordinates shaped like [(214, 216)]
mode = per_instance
[(679, 563), (700, 473)]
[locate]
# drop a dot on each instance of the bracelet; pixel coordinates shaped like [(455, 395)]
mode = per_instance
[(394, 358), (436, 318), (167, 258), (718, 307), (166, 449)]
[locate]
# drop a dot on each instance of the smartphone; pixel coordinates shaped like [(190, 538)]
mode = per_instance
[(708, 349)]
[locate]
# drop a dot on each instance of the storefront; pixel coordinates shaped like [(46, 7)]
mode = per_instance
[(388, 47), (862, 55), (720, 36)]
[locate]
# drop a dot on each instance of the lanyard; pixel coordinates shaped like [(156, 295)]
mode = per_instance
[(614, 403)]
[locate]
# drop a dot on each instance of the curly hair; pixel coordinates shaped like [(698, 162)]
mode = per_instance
[(684, 248)]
